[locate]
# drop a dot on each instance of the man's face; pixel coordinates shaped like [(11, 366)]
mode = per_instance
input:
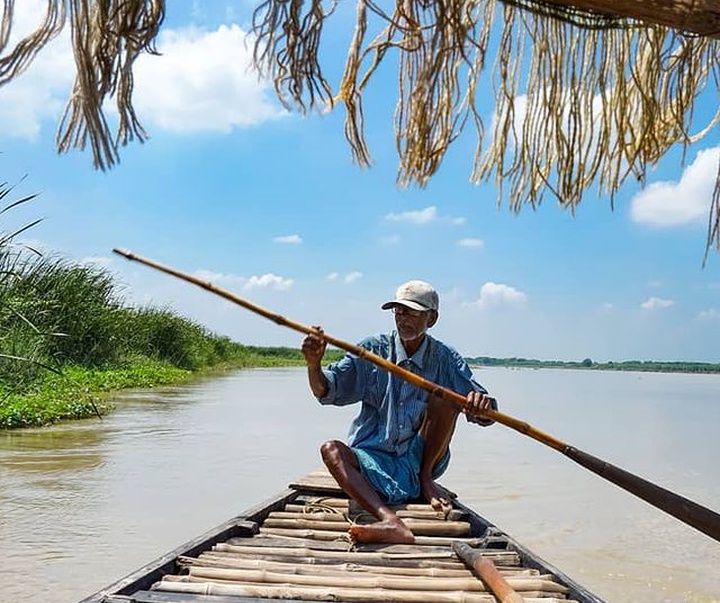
[(412, 324)]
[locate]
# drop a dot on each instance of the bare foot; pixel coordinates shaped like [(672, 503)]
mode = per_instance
[(436, 496), (386, 532)]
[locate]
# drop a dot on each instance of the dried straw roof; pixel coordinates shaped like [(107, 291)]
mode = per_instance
[(586, 92)]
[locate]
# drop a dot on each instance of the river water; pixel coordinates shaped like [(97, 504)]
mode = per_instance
[(83, 504)]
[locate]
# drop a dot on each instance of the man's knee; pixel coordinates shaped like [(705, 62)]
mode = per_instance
[(334, 453)]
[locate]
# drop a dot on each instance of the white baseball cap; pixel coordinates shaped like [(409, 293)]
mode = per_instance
[(417, 295)]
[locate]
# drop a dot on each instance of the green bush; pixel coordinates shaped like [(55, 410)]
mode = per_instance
[(65, 335)]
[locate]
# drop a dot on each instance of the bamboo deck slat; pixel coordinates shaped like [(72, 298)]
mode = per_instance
[(333, 535), (340, 524), (186, 584), (344, 503), (340, 579), (263, 540), (340, 513), (212, 559), (301, 552), (319, 481)]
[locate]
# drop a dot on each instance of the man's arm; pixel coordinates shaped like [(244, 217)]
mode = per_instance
[(313, 348)]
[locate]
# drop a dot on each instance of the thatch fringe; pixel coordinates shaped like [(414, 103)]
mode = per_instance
[(587, 92), (107, 37), (581, 97)]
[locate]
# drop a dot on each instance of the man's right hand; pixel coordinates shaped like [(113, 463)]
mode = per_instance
[(475, 406), (313, 347)]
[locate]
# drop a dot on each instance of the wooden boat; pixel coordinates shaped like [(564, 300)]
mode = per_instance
[(294, 547)]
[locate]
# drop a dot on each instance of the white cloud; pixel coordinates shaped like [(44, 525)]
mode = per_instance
[(266, 281), (711, 314), (682, 202), (293, 239), (269, 281), (218, 277), (202, 81), (657, 303), (348, 278), (493, 295), (41, 92), (423, 216), (470, 242), (565, 122)]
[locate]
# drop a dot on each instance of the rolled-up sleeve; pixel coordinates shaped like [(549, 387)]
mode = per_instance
[(329, 397), (344, 384)]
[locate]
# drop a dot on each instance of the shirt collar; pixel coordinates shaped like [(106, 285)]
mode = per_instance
[(417, 358)]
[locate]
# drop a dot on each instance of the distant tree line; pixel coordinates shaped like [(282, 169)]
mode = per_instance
[(587, 363)]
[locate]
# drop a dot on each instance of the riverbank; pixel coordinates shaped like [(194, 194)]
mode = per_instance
[(67, 338), (78, 392), (645, 366)]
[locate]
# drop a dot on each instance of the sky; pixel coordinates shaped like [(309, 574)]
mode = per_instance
[(268, 204)]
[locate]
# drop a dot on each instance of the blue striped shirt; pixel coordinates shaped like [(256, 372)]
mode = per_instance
[(392, 409)]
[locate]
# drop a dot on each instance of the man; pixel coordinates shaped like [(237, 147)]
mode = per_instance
[(399, 442)]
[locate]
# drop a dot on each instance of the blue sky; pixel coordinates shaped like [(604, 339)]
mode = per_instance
[(270, 205)]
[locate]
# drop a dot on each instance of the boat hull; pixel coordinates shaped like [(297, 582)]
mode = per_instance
[(294, 547)]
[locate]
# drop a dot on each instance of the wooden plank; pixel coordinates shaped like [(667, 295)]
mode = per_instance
[(697, 16), (320, 487)]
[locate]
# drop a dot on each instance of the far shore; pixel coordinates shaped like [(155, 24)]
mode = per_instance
[(78, 392), (81, 392), (587, 364)]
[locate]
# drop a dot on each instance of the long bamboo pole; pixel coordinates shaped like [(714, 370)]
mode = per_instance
[(691, 513)]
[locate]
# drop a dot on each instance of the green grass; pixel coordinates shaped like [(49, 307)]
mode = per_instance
[(67, 338), (80, 392)]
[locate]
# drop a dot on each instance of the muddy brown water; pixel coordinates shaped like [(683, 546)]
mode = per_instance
[(85, 503)]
